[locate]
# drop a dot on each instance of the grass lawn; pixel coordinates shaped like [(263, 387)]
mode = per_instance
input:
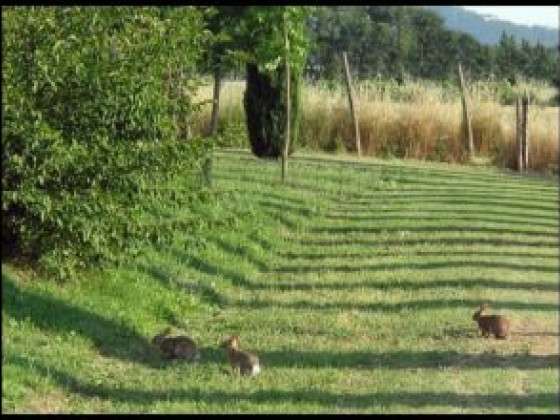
[(355, 283)]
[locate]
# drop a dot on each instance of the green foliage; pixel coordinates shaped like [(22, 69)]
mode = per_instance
[(266, 51), (265, 108), (395, 41), (261, 32), (94, 100)]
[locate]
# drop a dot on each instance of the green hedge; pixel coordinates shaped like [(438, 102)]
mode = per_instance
[(93, 103)]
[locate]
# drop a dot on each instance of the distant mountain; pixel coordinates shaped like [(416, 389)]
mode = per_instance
[(487, 29)]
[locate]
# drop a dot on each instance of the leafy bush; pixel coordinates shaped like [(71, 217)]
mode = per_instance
[(93, 100)]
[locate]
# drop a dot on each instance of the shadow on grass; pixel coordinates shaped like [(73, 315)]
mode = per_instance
[(286, 220), (416, 305), (435, 265), (240, 280), (347, 284), (405, 360), (440, 215), (370, 254), (350, 206), (535, 334), (403, 174), (338, 230), (200, 288), (112, 339), (449, 196), (282, 208), (241, 252), (338, 191), (457, 241), (370, 401)]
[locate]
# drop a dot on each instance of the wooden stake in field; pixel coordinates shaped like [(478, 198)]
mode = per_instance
[(525, 131), (466, 113), (352, 106), (522, 132), (518, 135), (288, 106), (213, 128)]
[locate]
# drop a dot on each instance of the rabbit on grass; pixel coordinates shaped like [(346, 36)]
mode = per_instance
[(498, 325), (242, 361), (176, 347)]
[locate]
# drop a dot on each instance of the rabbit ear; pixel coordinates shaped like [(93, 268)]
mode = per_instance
[(483, 307)]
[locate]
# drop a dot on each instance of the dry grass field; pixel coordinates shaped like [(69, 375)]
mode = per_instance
[(418, 120)]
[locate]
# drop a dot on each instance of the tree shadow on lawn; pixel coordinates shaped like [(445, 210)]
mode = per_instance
[(454, 193), (241, 280), (240, 252), (430, 265), (426, 241), (405, 360), (183, 284), (407, 174), (340, 400), (418, 174), (280, 208), (360, 201), (112, 339), (341, 230), (349, 284), (411, 306), (371, 254), (413, 215)]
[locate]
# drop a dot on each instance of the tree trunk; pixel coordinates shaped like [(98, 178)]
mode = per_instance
[(466, 113), (352, 106), (518, 135), (288, 108), (213, 129), (525, 131)]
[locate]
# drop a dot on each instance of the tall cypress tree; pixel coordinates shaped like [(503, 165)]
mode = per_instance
[(265, 92), (265, 110)]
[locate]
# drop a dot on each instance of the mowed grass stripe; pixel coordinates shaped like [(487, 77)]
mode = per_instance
[(362, 194), (388, 174)]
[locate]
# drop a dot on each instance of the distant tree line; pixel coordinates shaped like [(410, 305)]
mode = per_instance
[(405, 41)]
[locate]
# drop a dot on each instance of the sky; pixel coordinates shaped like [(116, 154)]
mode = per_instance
[(527, 15)]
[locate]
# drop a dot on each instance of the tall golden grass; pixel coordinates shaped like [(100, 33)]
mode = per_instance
[(419, 120)]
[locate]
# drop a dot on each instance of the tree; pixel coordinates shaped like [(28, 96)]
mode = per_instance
[(507, 58), (93, 102), (220, 22), (263, 51)]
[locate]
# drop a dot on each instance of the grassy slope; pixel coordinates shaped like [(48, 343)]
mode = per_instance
[(354, 284)]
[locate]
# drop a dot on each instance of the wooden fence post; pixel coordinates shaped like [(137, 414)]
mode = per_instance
[(213, 128), (466, 113), (352, 107), (288, 107), (525, 131), (518, 134)]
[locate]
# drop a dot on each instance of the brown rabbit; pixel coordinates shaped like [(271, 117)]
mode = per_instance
[(179, 347), (242, 361), (491, 324)]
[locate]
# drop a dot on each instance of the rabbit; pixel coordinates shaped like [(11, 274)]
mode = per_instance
[(242, 361), (179, 347), (491, 324)]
